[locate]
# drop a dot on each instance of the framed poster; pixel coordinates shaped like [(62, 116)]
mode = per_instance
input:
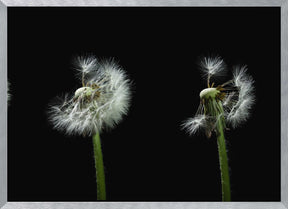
[(149, 159)]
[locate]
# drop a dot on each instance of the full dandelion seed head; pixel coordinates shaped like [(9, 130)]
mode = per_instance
[(99, 104), (230, 102)]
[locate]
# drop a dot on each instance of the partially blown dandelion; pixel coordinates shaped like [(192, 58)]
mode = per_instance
[(99, 104), (228, 104)]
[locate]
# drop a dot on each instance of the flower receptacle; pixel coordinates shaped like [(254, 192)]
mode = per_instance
[(209, 92), (87, 91)]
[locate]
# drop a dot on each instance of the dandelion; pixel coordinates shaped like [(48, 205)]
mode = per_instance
[(98, 105), (228, 104)]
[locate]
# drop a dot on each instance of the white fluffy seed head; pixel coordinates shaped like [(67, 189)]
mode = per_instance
[(212, 66), (98, 105), (240, 110), (192, 125), (234, 99), (85, 64)]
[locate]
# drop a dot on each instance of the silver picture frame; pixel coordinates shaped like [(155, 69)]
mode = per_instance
[(4, 204)]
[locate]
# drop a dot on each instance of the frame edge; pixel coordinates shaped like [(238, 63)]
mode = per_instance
[(149, 3), (284, 104), (3, 104)]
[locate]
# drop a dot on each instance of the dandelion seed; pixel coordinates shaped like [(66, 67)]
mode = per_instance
[(194, 124), (212, 66)]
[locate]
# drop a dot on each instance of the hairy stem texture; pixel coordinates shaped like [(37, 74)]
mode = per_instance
[(100, 175), (223, 160)]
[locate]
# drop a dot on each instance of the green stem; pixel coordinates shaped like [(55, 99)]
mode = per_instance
[(226, 195), (100, 175)]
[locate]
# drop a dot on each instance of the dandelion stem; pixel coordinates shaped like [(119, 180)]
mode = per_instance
[(83, 79), (226, 195), (100, 175)]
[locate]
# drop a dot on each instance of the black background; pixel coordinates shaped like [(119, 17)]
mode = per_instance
[(147, 157)]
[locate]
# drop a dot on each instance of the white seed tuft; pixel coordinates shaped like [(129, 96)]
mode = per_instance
[(85, 64), (240, 111), (212, 66), (192, 125)]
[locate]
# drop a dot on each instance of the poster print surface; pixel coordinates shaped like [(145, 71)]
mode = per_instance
[(147, 156)]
